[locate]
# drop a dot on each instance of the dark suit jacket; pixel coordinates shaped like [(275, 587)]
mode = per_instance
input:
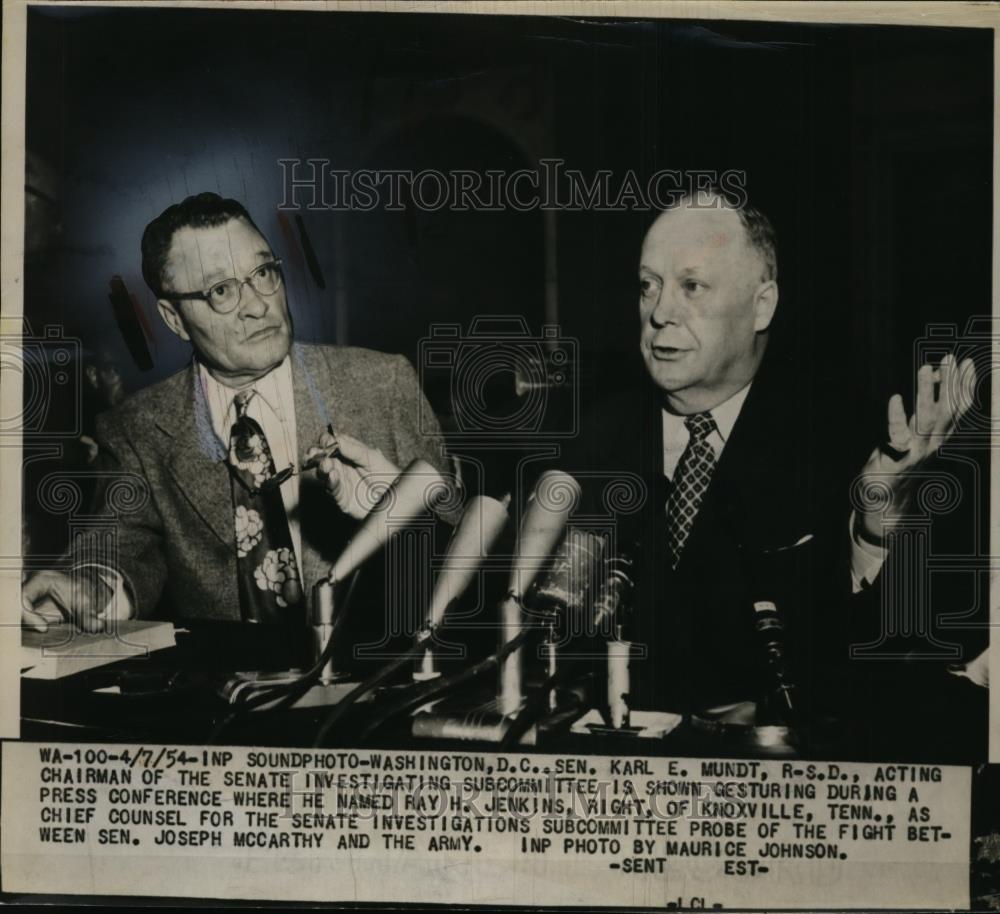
[(175, 536), (779, 480)]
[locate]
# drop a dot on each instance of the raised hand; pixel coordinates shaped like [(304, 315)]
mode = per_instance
[(888, 478)]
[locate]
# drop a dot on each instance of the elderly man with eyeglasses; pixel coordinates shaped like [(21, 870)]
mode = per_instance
[(221, 523)]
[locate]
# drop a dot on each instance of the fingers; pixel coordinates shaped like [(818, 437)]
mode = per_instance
[(899, 430), (52, 596), (926, 407), (936, 412), (946, 393), (93, 622), (31, 619), (42, 597), (367, 459), (329, 471), (357, 452), (351, 475), (341, 482), (329, 446), (965, 388), (35, 588), (52, 587)]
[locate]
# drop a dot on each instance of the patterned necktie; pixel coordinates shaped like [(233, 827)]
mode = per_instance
[(270, 585), (691, 479)]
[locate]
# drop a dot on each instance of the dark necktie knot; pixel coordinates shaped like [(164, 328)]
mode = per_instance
[(700, 426), (242, 401)]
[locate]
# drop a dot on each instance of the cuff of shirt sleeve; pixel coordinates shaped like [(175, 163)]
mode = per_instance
[(976, 671), (866, 559), (119, 606)]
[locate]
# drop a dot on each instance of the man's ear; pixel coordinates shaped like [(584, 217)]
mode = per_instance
[(765, 303), (172, 317)]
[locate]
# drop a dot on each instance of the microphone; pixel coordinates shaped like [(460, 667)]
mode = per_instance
[(778, 703), (555, 496), (562, 589), (474, 537), (417, 489), (611, 605), (770, 631), (545, 518), (613, 596), (566, 582)]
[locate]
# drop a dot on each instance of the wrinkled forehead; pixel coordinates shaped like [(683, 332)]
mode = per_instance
[(199, 257), (695, 233)]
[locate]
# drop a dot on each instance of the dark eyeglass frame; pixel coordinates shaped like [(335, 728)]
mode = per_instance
[(205, 294)]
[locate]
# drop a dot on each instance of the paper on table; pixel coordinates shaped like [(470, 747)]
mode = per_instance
[(62, 651), (643, 724)]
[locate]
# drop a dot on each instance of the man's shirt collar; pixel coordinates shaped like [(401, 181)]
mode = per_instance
[(675, 433), (274, 391)]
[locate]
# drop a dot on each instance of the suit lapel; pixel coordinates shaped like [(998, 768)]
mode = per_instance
[(311, 419), (741, 503), (196, 458)]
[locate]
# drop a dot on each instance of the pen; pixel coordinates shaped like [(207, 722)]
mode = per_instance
[(330, 451)]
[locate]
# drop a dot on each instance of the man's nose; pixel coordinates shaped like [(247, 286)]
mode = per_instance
[(669, 308), (252, 303)]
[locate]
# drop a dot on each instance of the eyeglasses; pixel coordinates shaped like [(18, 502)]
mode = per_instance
[(225, 296)]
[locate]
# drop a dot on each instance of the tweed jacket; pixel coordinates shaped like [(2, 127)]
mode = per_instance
[(174, 536)]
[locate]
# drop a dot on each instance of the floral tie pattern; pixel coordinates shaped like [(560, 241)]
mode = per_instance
[(691, 480), (270, 586)]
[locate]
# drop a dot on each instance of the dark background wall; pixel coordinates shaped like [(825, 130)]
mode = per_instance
[(869, 146)]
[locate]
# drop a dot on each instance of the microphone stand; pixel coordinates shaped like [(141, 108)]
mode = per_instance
[(400, 504), (559, 590), (284, 690), (542, 524), (477, 531), (771, 724), (609, 604)]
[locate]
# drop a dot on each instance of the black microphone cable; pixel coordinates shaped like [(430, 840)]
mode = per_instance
[(368, 685), (534, 707), (432, 689)]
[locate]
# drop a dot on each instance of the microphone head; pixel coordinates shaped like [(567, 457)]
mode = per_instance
[(565, 582), (417, 489), (613, 595), (545, 518), (472, 541), (769, 626)]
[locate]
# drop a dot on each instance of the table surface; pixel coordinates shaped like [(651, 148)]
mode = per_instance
[(172, 696)]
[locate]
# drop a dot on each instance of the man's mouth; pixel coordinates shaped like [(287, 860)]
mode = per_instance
[(667, 353), (264, 331)]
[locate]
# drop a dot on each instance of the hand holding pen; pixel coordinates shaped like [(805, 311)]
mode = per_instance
[(354, 474)]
